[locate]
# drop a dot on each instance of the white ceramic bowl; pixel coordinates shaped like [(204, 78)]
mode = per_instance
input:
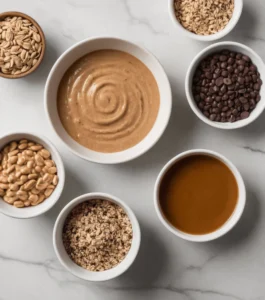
[(89, 45), (79, 271), (215, 48), (230, 223), (33, 211), (207, 38)]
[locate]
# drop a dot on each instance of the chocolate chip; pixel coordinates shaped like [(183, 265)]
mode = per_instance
[(243, 100), (212, 117), (241, 80), (227, 81), (223, 58), (245, 58), (226, 86), (244, 115), (219, 81)]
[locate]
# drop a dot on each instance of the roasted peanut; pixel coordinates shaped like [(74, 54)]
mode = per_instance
[(29, 185), (33, 198), (13, 146), (35, 191), (21, 161), (29, 153), (23, 146), (52, 170), (12, 153), (13, 159), (19, 204), (30, 164), (23, 141), (41, 185), (10, 169), (38, 169), (39, 160), (47, 177), (9, 200), (25, 170), (4, 186), (41, 198), (32, 176), (12, 178), (45, 153), (3, 179), (24, 178), (55, 180), (48, 192), (36, 148), (10, 193), (49, 163), (14, 187), (2, 192)]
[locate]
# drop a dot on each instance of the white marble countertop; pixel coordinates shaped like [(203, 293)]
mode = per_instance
[(167, 267)]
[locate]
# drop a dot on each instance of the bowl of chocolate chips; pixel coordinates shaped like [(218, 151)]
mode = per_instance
[(224, 85)]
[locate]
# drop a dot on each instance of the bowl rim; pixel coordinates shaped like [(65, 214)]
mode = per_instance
[(165, 117), (58, 162), (208, 38), (136, 236), (233, 219), (36, 24), (198, 57)]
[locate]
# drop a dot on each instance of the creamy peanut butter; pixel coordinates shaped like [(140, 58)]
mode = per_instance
[(108, 101)]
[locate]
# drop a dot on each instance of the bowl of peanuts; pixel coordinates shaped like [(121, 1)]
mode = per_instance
[(22, 45), (31, 175)]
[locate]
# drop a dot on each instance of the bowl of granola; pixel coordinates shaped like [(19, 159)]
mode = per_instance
[(96, 237)]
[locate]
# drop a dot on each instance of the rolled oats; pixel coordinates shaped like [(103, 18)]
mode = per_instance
[(97, 235), (204, 17)]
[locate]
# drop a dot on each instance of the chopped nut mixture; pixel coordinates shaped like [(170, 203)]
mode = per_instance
[(97, 235), (204, 17)]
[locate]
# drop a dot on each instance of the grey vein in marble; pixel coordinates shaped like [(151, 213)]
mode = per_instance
[(254, 149)]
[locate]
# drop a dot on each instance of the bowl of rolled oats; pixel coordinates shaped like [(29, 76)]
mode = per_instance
[(22, 45), (96, 237), (31, 175), (205, 20)]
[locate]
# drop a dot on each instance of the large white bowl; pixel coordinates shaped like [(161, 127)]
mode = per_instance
[(228, 225), (73, 267), (89, 45), (207, 38), (33, 211), (256, 59)]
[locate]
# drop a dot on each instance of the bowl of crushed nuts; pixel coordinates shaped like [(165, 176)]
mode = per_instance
[(31, 175), (22, 45), (96, 237), (205, 20)]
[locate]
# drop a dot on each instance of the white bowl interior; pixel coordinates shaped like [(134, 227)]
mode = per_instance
[(215, 48), (32, 211), (85, 47), (79, 271), (230, 223), (207, 38)]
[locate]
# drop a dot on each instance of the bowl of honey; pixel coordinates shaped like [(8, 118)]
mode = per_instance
[(199, 195)]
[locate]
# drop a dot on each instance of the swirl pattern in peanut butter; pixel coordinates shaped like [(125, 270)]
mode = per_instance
[(108, 101)]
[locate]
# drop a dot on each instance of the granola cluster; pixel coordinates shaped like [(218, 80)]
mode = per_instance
[(97, 235)]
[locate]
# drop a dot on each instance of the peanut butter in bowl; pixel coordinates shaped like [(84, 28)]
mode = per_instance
[(108, 101)]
